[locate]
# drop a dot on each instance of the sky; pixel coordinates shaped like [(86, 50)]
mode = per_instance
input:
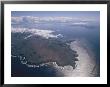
[(95, 14)]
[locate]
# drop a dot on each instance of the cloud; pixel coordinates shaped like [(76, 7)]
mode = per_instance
[(39, 32), (33, 19), (80, 23)]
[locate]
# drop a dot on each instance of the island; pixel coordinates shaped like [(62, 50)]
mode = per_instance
[(38, 50)]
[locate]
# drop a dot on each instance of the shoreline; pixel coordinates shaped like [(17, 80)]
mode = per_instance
[(85, 66), (86, 62)]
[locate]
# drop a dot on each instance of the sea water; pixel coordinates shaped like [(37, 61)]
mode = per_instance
[(90, 36)]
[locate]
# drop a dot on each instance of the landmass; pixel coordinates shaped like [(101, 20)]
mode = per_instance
[(38, 50)]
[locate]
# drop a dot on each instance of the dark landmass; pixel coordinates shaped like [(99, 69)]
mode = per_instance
[(39, 50), (20, 70)]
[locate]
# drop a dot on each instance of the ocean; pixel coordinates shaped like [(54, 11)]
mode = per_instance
[(90, 36)]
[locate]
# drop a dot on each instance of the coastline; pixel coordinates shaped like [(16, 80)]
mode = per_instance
[(85, 65)]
